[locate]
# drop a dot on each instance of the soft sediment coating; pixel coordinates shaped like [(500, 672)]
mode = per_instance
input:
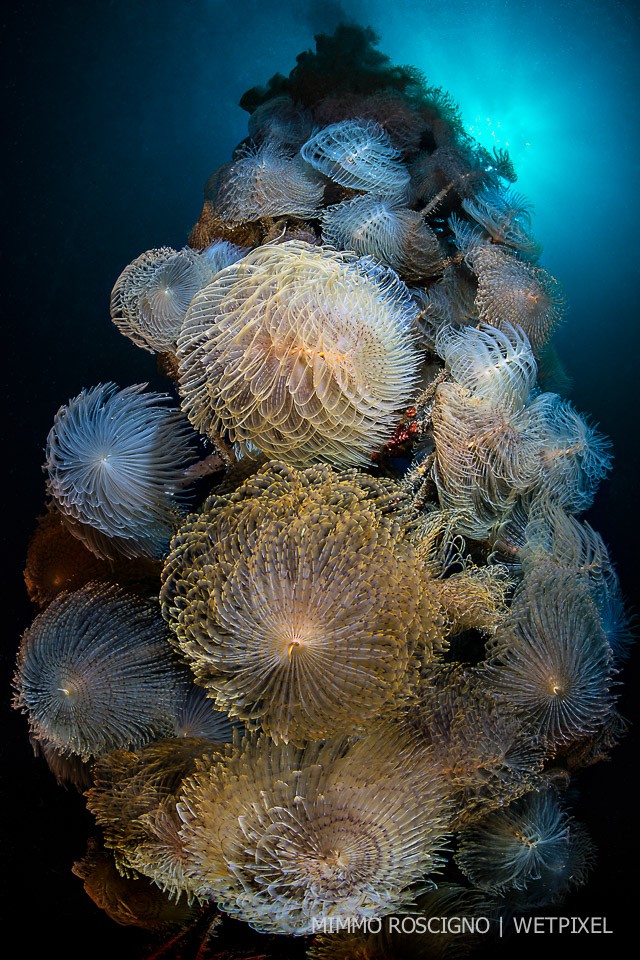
[(279, 836), (299, 602), (304, 352), (95, 672)]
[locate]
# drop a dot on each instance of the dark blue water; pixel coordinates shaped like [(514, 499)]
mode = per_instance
[(115, 115)]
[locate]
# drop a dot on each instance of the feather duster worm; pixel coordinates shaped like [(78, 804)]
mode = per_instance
[(473, 597), (281, 121), (493, 365), (95, 672), (496, 441), (485, 458), (484, 753), (133, 799), (506, 217), (552, 661), (303, 352), (265, 182), (413, 656), (514, 293), (298, 600), (115, 463), (403, 122), (574, 456), (434, 931), (556, 538), (130, 901), (533, 842), (151, 295), (391, 233), (195, 716), (358, 154), (280, 836)]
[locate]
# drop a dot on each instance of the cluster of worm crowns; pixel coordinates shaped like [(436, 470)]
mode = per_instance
[(321, 632)]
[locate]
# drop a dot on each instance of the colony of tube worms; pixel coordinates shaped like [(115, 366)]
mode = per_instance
[(321, 632)]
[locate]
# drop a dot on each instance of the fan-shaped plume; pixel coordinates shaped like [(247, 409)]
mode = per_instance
[(530, 843), (449, 302), (383, 229), (474, 598), (494, 365), (513, 293), (133, 799), (494, 444), (506, 216), (440, 547), (161, 855), (221, 254), (265, 182), (360, 155), (279, 836), (508, 538), (308, 625), (486, 755), (574, 456), (485, 457), (467, 236), (128, 784), (552, 662), (440, 927), (196, 716), (555, 537), (303, 352), (539, 529), (337, 615), (151, 295), (95, 671), (115, 461)]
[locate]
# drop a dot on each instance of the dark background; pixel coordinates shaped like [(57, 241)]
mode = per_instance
[(115, 115)]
